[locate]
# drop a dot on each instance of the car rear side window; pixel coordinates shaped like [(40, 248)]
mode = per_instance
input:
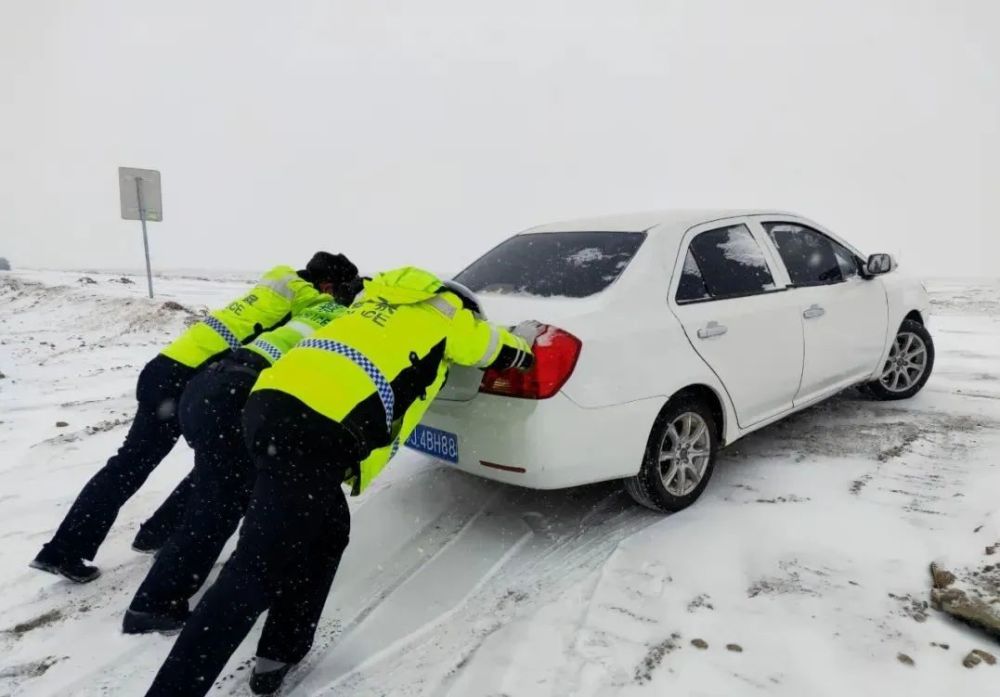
[(724, 263), (808, 254), (547, 264), (692, 286)]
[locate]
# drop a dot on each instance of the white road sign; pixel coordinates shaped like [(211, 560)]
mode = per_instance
[(140, 194), (139, 190)]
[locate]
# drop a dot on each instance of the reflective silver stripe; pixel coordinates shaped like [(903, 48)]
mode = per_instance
[(280, 285), (443, 306), (491, 348), (518, 357), (522, 356), (301, 328), (523, 352)]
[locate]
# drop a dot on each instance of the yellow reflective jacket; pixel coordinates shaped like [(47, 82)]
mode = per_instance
[(274, 344), (278, 295), (387, 358)]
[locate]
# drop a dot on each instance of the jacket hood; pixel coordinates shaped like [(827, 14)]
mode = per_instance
[(405, 286)]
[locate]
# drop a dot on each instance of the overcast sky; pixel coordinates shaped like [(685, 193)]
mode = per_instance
[(424, 132)]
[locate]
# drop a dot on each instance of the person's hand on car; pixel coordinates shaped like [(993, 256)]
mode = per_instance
[(529, 330)]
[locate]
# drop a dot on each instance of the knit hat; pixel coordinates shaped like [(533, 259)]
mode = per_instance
[(330, 268)]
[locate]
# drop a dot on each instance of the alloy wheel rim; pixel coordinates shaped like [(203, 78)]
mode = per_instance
[(684, 454), (906, 364)]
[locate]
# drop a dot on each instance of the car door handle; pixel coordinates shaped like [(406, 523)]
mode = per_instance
[(712, 329), (813, 312)]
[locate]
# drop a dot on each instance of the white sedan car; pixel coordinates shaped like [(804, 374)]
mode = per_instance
[(670, 335)]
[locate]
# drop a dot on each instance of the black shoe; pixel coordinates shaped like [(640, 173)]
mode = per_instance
[(75, 570), (146, 542), (270, 682), (136, 622), (151, 551)]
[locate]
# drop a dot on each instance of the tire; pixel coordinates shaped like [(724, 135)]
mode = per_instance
[(908, 366), (650, 486)]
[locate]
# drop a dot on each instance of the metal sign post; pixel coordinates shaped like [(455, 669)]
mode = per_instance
[(142, 200), (145, 237)]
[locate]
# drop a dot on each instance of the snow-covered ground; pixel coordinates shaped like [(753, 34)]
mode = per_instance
[(803, 570)]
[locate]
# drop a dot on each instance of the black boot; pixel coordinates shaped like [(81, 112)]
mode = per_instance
[(269, 682), (147, 541), (136, 622), (75, 570)]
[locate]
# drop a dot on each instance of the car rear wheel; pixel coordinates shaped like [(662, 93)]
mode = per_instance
[(679, 459), (908, 366)]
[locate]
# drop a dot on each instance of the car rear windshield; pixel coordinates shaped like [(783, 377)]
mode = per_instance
[(547, 264)]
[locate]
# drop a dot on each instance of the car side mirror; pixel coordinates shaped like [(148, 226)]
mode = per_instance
[(879, 264)]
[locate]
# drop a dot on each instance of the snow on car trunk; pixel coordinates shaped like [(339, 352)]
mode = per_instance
[(550, 277)]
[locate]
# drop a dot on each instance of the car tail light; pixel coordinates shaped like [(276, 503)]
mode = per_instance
[(556, 352)]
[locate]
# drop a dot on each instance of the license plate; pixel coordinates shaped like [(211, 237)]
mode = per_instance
[(433, 441)]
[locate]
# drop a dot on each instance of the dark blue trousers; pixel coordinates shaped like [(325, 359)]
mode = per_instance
[(295, 530), (152, 436), (211, 413)]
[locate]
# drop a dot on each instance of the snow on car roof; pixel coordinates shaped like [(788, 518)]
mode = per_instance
[(637, 222)]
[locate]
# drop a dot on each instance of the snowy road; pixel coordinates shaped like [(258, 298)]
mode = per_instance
[(807, 554)]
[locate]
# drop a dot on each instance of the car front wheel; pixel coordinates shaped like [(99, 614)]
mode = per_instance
[(679, 458), (909, 364)]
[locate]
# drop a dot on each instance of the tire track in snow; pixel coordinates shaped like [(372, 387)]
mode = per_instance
[(426, 599), (574, 532), (396, 534)]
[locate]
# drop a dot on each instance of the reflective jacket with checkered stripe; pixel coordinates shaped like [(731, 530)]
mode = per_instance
[(279, 294), (410, 328), (274, 344)]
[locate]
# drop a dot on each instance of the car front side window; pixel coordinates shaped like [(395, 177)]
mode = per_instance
[(850, 265), (808, 255), (724, 263)]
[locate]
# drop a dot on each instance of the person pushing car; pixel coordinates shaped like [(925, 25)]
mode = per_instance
[(333, 410), (155, 429), (210, 415)]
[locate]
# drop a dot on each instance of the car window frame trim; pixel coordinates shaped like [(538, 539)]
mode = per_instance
[(780, 279), (760, 218), (777, 249)]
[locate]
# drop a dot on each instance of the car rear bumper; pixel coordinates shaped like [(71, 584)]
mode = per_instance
[(546, 444)]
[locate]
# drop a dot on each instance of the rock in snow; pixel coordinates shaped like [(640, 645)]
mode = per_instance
[(971, 596)]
